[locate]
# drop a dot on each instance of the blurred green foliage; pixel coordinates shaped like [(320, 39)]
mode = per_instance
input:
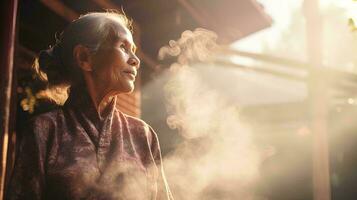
[(352, 24)]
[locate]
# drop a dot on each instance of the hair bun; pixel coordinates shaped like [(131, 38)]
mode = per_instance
[(50, 62)]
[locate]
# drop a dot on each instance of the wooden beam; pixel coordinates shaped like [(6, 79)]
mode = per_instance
[(324, 71), (259, 69), (26, 50), (107, 4), (267, 58), (7, 46), (62, 10), (318, 103), (197, 15)]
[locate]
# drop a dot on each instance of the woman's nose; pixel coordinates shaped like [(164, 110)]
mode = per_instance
[(134, 61)]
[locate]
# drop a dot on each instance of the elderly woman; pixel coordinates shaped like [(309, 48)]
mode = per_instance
[(87, 148)]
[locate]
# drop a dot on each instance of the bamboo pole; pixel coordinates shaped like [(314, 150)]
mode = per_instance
[(7, 44)]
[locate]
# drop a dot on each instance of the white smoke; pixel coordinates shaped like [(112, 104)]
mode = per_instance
[(217, 159)]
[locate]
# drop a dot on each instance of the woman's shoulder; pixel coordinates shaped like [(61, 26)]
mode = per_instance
[(47, 117), (134, 120), (44, 123), (139, 125), (142, 129)]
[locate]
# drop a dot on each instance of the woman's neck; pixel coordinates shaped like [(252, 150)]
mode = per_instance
[(99, 94)]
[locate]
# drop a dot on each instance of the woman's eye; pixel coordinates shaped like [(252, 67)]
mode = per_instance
[(123, 47)]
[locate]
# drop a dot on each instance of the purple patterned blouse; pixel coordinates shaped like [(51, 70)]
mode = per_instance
[(73, 153)]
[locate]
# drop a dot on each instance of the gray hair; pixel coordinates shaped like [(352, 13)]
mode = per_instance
[(56, 64)]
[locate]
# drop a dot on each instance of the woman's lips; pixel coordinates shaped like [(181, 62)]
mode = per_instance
[(130, 73)]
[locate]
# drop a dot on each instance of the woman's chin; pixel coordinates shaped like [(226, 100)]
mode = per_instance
[(127, 88), (130, 87)]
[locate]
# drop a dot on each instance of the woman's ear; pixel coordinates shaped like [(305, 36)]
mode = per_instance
[(82, 57)]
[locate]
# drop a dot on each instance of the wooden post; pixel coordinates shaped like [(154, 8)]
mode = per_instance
[(7, 42), (318, 103)]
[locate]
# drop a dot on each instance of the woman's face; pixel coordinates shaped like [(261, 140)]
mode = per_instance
[(115, 66)]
